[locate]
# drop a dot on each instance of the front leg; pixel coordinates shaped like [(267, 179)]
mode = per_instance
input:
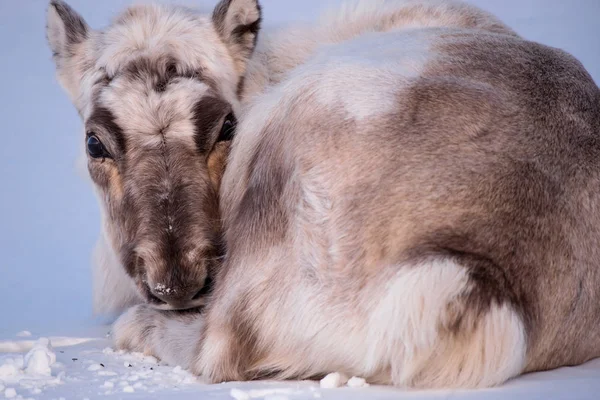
[(229, 351), (221, 355), (171, 336)]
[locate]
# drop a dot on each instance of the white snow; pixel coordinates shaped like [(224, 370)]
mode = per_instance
[(120, 372), (338, 379), (50, 221), (10, 393), (267, 394), (333, 380), (238, 394), (356, 382), (128, 389), (11, 346), (32, 371), (39, 359)]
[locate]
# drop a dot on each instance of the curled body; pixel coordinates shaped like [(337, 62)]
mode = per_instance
[(417, 205)]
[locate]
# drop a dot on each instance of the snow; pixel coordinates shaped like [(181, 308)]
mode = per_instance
[(135, 374), (356, 382), (31, 371), (333, 380), (40, 358), (50, 221), (10, 393), (337, 379)]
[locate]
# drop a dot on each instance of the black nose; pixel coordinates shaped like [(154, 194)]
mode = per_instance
[(178, 297)]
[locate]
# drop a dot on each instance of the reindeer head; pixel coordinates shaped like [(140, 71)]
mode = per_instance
[(157, 91)]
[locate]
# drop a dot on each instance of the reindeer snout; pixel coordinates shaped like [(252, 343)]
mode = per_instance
[(167, 296)]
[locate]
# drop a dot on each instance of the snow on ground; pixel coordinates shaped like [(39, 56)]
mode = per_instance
[(49, 222), (84, 368)]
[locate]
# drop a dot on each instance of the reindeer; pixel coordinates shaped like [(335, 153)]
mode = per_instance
[(179, 72), (411, 194)]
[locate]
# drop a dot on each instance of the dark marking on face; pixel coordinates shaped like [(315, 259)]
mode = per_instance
[(208, 115), (161, 72), (102, 116)]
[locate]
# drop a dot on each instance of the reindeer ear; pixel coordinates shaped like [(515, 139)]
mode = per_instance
[(238, 23), (65, 28), (65, 31)]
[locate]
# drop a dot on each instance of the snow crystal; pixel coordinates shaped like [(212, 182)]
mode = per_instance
[(128, 389), (356, 382), (24, 334), (108, 385), (10, 393), (162, 289), (334, 380)]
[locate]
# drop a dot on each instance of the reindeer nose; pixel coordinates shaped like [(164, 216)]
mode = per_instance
[(168, 297)]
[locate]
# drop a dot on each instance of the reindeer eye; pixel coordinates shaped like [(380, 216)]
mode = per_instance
[(228, 128), (95, 147)]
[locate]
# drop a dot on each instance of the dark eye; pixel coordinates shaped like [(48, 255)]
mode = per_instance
[(95, 147), (228, 128)]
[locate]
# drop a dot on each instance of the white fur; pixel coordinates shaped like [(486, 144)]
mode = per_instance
[(409, 315), (172, 340), (113, 289)]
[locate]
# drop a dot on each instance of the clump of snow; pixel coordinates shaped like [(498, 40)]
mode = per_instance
[(24, 334), (128, 389), (39, 359), (338, 379), (10, 368), (94, 367), (31, 372), (333, 380), (108, 385), (356, 382)]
